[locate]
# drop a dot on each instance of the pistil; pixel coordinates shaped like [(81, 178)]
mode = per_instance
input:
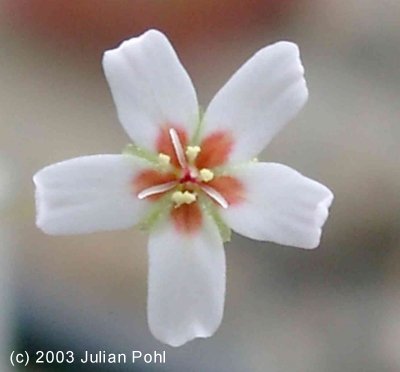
[(157, 189), (178, 148)]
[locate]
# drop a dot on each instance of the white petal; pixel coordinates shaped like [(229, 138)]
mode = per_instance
[(186, 283), (150, 87), (88, 194), (281, 206), (259, 99)]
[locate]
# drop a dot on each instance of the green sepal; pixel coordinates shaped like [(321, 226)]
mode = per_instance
[(135, 150), (160, 208), (223, 228), (196, 136)]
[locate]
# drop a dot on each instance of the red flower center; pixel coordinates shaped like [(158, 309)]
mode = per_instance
[(184, 172)]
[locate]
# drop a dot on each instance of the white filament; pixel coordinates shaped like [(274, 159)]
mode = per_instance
[(178, 148), (214, 194), (157, 189)]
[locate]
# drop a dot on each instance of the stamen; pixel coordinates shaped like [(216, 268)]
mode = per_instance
[(206, 175), (187, 197), (164, 162), (178, 147), (192, 152), (164, 159), (157, 189), (214, 194)]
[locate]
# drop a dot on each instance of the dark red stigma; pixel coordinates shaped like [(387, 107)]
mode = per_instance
[(187, 177)]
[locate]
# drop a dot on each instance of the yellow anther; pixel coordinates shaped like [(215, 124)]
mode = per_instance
[(164, 159), (186, 197), (206, 175), (192, 152)]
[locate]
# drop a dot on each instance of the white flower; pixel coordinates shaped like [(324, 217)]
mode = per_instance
[(190, 178)]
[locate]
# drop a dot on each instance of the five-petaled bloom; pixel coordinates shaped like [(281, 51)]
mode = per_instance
[(190, 178)]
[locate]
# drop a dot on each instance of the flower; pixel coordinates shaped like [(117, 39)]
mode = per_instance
[(190, 178)]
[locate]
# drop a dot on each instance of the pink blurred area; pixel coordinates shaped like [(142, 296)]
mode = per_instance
[(327, 310), (98, 25)]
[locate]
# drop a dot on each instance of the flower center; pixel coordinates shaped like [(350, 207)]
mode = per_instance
[(188, 180), (188, 177)]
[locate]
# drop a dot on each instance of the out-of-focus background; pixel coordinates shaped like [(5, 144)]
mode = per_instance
[(331, 309)]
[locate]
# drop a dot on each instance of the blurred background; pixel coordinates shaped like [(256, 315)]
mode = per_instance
[(336, 308)]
